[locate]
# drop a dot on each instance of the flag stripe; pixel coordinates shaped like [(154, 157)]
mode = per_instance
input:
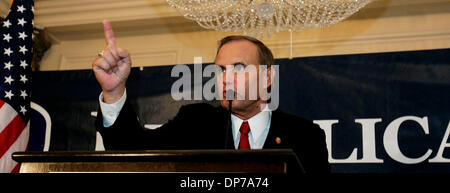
[(7, 114), (16, 168), (6, 163), (9, 135), (16, 29)]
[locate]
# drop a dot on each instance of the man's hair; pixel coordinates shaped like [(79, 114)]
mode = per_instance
[(265, 56)]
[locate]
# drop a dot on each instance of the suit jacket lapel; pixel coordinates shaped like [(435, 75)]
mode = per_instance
[(230, 140), (228, 135), (274, 131)]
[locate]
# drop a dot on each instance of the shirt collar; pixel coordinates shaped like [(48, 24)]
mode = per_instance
[(258, 123)]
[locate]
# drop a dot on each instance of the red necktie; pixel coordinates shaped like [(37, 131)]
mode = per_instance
[(243, 142)]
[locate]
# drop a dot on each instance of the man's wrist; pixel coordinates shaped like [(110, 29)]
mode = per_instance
[(110, 97), (111, 111)]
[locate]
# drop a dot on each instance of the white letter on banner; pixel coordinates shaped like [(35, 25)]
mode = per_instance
[(368, 141), (327, 126), (390, 140), (444, 144)]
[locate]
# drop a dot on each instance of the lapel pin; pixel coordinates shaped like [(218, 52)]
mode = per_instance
[(278, 140)]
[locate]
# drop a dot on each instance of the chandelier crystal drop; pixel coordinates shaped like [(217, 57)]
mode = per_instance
[(256, 17)]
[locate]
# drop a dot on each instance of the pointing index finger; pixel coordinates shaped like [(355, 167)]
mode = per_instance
[(109, 34)]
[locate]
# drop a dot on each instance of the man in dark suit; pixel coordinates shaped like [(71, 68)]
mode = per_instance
[(202, 126)]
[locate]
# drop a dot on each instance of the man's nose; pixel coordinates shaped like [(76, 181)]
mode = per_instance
[(228, 79)]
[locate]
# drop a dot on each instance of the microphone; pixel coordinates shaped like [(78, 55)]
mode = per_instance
[(229, 94), (229, 97)]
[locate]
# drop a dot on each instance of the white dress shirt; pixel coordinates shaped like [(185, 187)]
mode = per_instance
[(259, 128), (259, 124), (111, 111)]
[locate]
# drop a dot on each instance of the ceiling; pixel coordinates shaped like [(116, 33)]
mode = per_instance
[(81, 19)]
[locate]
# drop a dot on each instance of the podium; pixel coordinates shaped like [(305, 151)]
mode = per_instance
[(270, 161)]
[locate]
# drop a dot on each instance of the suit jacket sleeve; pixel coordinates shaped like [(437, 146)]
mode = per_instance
[(319, 151), (127, 132)]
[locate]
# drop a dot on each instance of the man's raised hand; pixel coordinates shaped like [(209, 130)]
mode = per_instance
[(112, 68)]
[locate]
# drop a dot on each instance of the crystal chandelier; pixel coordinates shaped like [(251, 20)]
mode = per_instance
[(256, 17)]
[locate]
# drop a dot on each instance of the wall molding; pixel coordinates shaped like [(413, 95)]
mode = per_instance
[(163, 56)]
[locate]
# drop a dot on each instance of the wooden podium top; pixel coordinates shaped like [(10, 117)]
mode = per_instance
[(242, 161)]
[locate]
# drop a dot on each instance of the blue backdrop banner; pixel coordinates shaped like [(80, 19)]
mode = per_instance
[(382, 113)]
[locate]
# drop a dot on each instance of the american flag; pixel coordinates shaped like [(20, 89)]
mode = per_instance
[(15, 77)]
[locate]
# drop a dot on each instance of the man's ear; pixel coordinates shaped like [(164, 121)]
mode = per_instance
[(270, 73)]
